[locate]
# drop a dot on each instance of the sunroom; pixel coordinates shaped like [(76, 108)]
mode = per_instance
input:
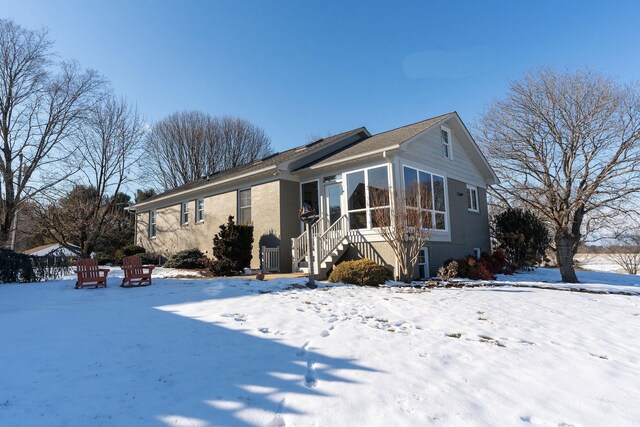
[(352, 205)]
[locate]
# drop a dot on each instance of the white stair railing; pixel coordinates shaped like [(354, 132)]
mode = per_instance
[(330, 239), (324, 242), (299, 250), (300, 244)]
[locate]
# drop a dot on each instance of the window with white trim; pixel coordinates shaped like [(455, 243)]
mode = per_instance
[(477, 253), (152, 223), (184, 213), (368, 203), (199, 210), (244, 207), (425, 194), (472, 198), (423, 263), (445, 139)]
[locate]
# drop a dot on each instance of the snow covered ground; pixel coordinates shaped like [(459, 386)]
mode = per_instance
[(238, 352)]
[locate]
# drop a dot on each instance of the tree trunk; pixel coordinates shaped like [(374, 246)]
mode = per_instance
[(564, 252)]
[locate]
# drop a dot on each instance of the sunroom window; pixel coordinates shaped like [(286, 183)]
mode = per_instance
[(368, 198), (425, 196)]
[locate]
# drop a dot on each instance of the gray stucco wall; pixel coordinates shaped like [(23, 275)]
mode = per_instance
[(469, 230)]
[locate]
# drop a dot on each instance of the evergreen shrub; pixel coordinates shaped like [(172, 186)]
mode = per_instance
[(232, 249), (15, 267), (127, 251)]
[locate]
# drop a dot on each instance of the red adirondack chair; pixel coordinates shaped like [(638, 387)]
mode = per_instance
[(90, 275), (135, 274)]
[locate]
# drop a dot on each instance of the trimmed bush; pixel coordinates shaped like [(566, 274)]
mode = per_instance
[(15, 267), (127, 251), (363, 272), (232, 249), (188, 259)]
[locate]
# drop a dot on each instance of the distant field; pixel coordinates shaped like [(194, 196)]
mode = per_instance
[(598, 262)]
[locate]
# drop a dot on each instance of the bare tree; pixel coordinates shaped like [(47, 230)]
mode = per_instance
[(107, 150), (628, 259), (566, 146), (41, 105), (186, 146), (626, 253), (405, 226)]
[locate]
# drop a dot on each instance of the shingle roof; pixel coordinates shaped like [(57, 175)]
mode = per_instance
[(381, 140), (359, 147), (271, 160)]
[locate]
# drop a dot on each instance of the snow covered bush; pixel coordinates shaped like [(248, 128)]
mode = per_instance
[(232, 249), (363, 272), (189, 259)]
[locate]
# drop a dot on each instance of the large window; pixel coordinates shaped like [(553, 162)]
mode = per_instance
[(472, 198), (152, 223), (425, 196), (445, 137), (244, 207), (368, 198), (184, 213), (200, 210)]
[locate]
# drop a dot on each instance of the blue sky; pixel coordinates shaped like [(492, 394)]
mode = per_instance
[(301, 69)]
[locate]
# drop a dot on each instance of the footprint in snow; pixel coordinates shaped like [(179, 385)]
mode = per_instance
[(238, 317), (310, 377), (327, 332), (302, 351), (600, 356), (538, 422), (278, 419)]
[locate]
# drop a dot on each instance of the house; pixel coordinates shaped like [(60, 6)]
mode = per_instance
[(52, 250), (336, 176)]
